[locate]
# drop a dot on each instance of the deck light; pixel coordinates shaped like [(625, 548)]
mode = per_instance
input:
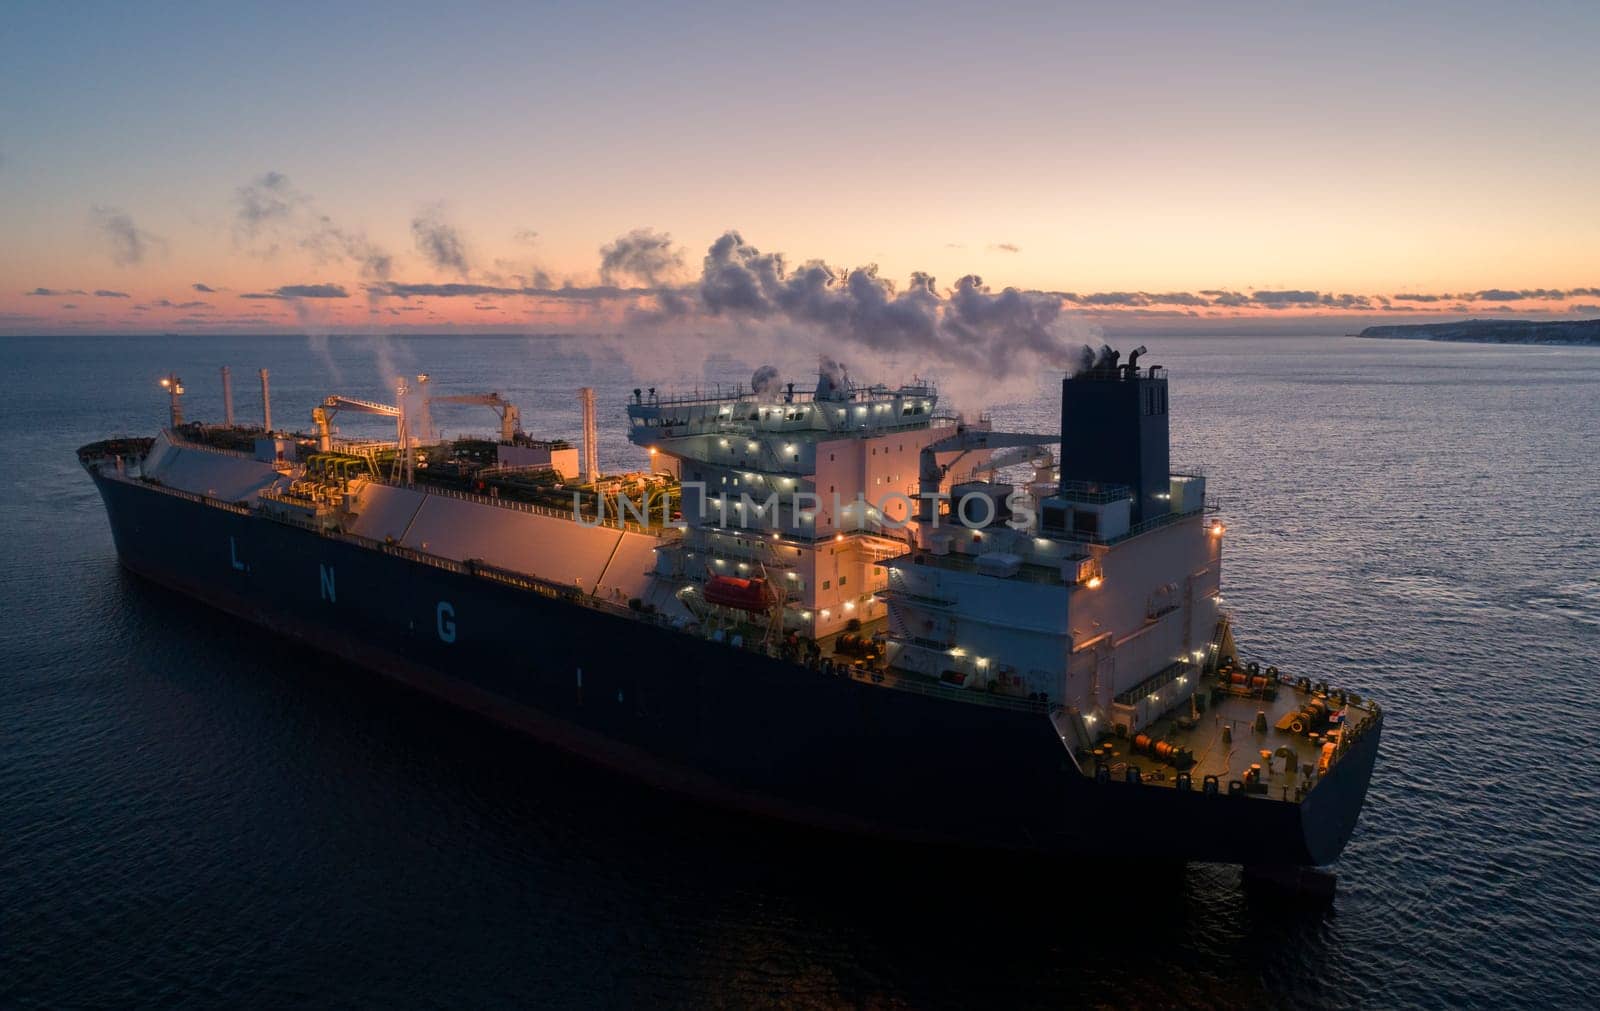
[(1094, 582), (653, 451), (1217, 529)]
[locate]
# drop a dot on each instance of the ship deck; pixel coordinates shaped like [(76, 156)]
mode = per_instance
[(1222, 731), (1219, 730)]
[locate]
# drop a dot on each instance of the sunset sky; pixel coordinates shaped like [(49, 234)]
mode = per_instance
[(217, 167)]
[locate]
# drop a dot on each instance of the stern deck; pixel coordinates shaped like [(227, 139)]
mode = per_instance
[(1243, 734)]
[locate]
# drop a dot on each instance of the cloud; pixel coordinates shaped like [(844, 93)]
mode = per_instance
[(1135, 298), (269, 211), (55, 292), (108, 293), (1422, 298), (129, 244), (461, 289), (295, 291), (312, 291), (266, 201), (1114, 298), (206, 288), (1503, 295), (439, 242), (397, 289), (167, 303), (1346, 301), (1227, 299), (532, 276), (1178, 298), (527, 236), (642, 254), (1004, 247), (1280, 298)]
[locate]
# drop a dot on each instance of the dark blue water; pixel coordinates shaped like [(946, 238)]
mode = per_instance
[(194, 813)]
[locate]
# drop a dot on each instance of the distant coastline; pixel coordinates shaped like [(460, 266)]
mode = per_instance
[(1495, 331)]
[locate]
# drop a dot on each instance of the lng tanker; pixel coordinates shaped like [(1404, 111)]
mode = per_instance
[(836, 606)]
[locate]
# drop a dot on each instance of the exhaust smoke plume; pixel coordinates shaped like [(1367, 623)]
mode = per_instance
[(989, 344), (439, 242), (642, 255), (764, 383), (269, 213)]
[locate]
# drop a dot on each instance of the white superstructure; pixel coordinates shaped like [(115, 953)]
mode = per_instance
[(1104, 602), (808, 492)]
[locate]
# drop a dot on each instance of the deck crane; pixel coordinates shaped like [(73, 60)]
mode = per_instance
[(1039, 459), (931, 472), (322, 417), (510, 417)]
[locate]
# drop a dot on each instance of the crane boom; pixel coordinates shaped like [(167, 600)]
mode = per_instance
[(341, 403), (510, 417), (322, 415), (965, 440), (1012, 457)]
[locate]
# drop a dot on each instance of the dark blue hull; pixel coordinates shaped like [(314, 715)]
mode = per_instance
[(730, 726)]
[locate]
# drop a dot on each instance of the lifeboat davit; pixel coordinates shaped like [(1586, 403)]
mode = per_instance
[(741, 594)]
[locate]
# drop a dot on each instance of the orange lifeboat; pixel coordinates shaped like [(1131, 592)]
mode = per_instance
[(738, 593)]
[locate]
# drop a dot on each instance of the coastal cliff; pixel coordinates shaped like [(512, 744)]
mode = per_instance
[(1496, 331)]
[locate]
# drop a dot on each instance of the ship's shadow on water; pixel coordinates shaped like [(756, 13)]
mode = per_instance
[(525, 874)]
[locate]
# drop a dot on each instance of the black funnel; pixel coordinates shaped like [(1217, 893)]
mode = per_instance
[(1114, 431)]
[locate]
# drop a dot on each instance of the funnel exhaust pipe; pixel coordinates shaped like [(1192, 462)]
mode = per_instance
[(266, 403), (591, 437)]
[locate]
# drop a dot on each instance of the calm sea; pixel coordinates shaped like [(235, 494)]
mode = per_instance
[(194, 813)]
